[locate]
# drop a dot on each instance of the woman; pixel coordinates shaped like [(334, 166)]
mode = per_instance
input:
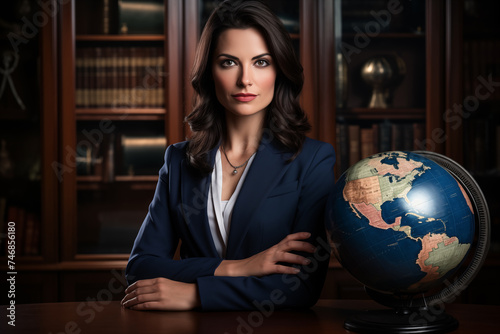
[(246, 194)]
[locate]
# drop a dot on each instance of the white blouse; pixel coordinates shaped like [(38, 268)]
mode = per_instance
[(219, 212)]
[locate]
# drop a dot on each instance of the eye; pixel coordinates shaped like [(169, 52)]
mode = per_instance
[(228, 63), (262, 63)]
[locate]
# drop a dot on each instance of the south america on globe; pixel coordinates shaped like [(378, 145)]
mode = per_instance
[(400, 223)]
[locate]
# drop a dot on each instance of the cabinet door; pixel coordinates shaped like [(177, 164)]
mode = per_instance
[(116, 120), (381, 77), (28, 110), (473, 115)]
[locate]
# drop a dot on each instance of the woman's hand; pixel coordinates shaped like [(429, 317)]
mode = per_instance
[(267, 262), (161, 294)]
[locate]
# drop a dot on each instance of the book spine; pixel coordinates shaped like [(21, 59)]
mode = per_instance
[(385, 136), (376, 138), (100, 77), (134, 73), (87, 77), (108, 75), (79, 78), (354, 144), (114, 77), (160, 70), (120, 89), (366, 142), (396, 137)]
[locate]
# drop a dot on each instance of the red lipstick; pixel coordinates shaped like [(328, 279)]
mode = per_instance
[(244, 97)]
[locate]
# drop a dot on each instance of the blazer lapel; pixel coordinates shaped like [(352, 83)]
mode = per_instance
[(194, 192), (265, 172)]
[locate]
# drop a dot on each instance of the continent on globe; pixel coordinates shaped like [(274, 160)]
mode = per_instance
[(439, 255), (378, 179)]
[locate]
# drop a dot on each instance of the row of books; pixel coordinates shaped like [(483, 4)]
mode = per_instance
[(120, 77), (27, 229), (356, 142)]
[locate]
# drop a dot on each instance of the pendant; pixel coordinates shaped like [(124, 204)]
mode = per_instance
[(235, 172)]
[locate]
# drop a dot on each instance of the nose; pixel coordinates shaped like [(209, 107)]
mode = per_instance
[(245, 78)]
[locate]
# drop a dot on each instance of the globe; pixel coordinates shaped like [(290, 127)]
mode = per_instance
[(403, 223), (403, 217)]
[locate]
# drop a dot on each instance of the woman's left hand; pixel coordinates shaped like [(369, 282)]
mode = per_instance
[(161, 294)]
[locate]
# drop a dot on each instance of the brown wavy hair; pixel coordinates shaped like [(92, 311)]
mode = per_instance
[(286, 121)]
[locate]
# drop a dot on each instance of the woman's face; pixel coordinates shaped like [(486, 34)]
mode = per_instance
[(243, 71)]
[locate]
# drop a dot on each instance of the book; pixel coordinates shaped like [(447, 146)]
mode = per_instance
[(385, 136), (376, 138), (354, 144), (396, 137), (366, 142), (141, 17)]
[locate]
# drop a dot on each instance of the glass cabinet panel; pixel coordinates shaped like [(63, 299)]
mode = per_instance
[(120, 119), (380, 77), (480, 105), (21, 152)]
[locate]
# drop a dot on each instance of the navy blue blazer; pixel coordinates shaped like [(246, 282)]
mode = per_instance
[(276, 199)]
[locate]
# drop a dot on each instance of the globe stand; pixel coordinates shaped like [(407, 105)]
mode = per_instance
[(403, 319), (395, 322), (426, 314)]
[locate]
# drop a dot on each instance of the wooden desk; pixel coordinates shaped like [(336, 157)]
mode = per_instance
[(326, 317)]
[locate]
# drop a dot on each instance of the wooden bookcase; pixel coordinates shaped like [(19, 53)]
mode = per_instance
[(85, 203)]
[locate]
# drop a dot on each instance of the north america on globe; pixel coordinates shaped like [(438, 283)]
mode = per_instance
[(374, 183)]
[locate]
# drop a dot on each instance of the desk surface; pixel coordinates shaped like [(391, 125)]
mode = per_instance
[(108, 317)]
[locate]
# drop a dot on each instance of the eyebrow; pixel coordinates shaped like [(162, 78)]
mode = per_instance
[(236, 58)]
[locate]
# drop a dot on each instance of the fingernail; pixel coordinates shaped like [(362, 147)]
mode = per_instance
[(296, 270), (306, 261)]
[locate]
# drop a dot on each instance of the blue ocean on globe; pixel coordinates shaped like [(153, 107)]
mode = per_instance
[(400, 223)]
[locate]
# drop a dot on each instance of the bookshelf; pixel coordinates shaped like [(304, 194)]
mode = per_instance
[(116, 123)]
